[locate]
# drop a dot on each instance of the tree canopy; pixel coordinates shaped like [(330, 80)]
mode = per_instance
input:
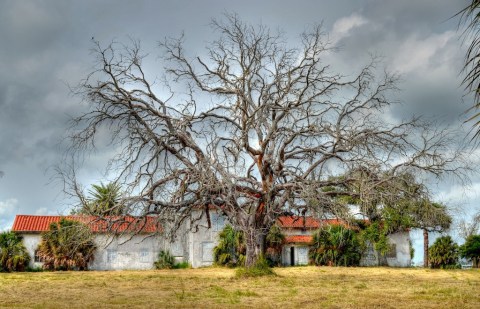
[(251, 127), (103, 200), (471, 250)]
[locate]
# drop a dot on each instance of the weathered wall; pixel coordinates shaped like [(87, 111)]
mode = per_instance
[(202, 242), (398, 257), (126, 252), (402, 243), (300, 253), (31, 242)]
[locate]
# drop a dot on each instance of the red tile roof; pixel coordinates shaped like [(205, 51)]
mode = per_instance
[(303, 239), (305, 222), (37, 224)]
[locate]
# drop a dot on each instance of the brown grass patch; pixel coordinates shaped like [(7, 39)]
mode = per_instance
[(296, 287)]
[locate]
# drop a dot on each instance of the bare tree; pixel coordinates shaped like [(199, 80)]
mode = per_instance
[(467, 228), (259, 129)]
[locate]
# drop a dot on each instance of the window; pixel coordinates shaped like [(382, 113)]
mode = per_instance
[(218, 222), (207, 251), (37, 258), (176, 248), (144, 256), (111, 256), (392, 252)]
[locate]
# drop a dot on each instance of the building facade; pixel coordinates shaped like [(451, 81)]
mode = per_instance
[(136, 245)]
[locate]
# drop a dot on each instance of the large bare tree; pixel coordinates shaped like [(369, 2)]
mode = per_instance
[(251, 129)]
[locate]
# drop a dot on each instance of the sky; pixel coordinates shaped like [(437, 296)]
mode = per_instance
[(46, 48)]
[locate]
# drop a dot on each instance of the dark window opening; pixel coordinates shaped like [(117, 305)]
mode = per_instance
[(292, 256), (37, 258), (392, 252)]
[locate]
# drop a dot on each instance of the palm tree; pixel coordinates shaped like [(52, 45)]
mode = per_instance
[(470, 16), (230, 250), (67, 245), (13, 254), (335, 245), (104, 200), (274, 241)]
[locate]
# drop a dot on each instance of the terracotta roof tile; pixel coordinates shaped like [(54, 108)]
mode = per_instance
[(37, 224), (303, 239), (308, 222)]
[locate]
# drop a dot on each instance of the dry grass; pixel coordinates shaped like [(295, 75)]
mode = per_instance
[(299, 287)]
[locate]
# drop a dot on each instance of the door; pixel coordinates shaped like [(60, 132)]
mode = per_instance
[(292, 256)]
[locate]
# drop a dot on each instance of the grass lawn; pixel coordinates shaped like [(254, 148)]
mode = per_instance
[(295, 287)]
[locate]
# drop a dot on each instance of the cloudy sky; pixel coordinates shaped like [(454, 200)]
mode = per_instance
[(45, 46)]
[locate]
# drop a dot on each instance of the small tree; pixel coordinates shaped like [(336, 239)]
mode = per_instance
[(471, 250), (13, 254), (274, 242), (230, 250), (68, 245), (443, 253), (165, 260), (335, 245)]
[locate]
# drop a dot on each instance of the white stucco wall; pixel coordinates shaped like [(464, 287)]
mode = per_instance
[(401, 241), (31, 242), (300, 253), (202, 242), (126, 252)]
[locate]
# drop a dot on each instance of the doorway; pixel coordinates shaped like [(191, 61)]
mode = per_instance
[(292, 256)]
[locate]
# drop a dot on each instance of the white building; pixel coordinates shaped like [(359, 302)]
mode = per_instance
[(138, 243)]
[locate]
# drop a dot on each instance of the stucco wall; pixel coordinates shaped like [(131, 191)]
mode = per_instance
[(399, 257), (202, 242), (126, 252), (300, 253), (31, 242), (402, 243)]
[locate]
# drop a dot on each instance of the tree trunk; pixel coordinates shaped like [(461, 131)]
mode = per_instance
[(475, 262), (425, 248), (254, 240)]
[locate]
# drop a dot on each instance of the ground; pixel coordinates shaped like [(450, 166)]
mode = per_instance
[(293, 287)]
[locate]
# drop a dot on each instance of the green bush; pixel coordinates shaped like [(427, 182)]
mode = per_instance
[(231, 248), (274, 243), (182, 265), (443, 253), (13, 254), (261, 268), (165, 260), (335, 245), (67, 245)]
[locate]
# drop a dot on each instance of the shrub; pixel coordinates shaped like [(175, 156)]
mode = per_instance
[(13, 254), (335, 245), (68, 245), (261, 268), (182, 265), (443, 253), (274, 242), (231, 248), (165, 260)]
